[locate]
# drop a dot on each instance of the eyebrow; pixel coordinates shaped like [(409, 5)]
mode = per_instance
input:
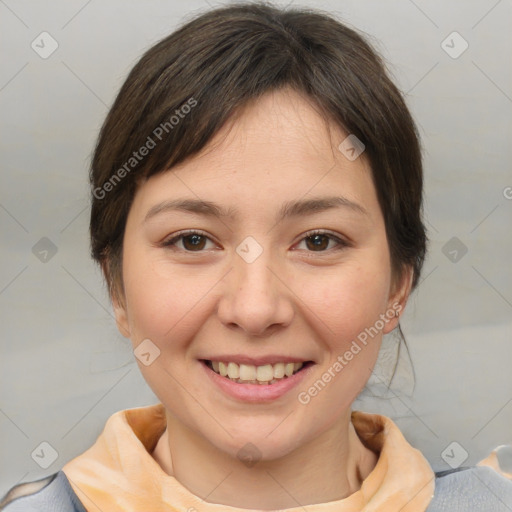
[(289, 209)]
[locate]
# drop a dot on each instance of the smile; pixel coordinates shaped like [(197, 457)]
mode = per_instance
[(251, 374)]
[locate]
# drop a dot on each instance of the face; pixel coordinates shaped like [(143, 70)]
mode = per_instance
[(263, 279)]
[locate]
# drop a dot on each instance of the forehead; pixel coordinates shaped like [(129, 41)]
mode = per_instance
[(277, 149), (282, 124)]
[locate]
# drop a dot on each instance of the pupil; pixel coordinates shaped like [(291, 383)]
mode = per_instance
[(194, 241), (318, 240)]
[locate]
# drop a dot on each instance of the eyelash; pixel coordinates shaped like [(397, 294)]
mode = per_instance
[(341, 244)]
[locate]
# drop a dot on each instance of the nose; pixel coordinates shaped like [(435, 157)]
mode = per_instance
[(256, 297)]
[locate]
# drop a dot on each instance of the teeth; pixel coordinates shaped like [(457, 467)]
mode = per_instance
[(247, 372), (250, 374), (279, 370), (264, 373), (233, 371)]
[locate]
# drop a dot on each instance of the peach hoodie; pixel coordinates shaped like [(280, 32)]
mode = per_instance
[(119, 474)]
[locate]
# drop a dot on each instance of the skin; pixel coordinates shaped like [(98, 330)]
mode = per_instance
[(294, 299)]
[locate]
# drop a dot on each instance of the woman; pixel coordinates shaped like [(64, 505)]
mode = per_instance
[(256, 211)]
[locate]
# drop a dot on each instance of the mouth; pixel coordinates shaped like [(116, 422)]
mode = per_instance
[(263, 375)]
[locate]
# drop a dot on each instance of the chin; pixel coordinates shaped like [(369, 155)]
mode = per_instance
[(259, 439)]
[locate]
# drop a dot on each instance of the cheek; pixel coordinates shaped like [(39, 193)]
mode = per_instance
[(169, 312), (351, 299), (164, 306), (349, 305)]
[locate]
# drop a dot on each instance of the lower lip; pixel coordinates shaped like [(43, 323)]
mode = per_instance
[(256, 392)]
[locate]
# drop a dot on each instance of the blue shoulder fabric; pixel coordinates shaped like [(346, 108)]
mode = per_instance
[(471, 489), (54, 494)]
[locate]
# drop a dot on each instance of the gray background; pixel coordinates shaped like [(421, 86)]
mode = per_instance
[(64, 368)]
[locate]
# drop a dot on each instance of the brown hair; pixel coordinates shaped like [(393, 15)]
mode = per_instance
[(185, 87)]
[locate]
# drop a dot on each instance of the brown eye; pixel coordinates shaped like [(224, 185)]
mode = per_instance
[(318, 241), (192, 241)]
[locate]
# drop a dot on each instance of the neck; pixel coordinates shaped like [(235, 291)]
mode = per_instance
[(329, 468)]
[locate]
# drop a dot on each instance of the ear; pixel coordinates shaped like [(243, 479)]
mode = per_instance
[(399, 295), (118, 302)]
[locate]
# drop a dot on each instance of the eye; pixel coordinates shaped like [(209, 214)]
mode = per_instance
[(193, 241), (319, 240)]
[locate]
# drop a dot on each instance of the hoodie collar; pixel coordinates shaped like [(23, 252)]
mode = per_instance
[(118, 472)]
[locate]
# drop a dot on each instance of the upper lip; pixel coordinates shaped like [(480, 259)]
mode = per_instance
[(255, 361)]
